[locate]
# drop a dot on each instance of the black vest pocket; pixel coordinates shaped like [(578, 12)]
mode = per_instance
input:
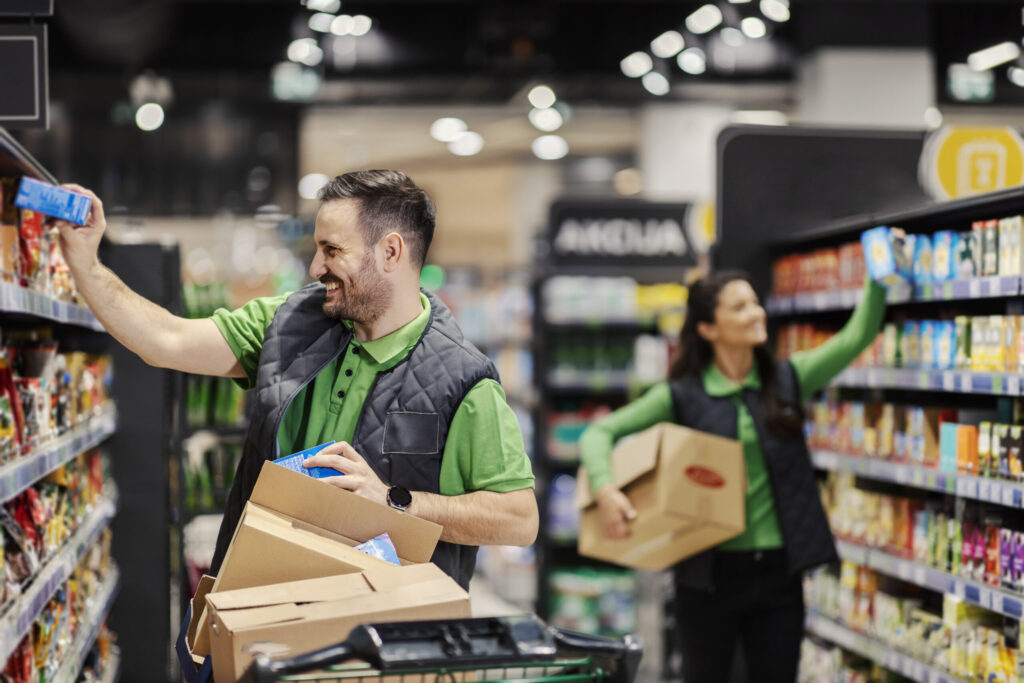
[(412, 433)]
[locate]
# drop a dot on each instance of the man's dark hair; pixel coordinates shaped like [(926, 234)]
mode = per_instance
[(389, 201)]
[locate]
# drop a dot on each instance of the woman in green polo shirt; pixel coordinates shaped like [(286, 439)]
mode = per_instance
[(747, 590)]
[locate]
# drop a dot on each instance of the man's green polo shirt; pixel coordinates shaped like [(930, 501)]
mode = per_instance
[(484, 449)]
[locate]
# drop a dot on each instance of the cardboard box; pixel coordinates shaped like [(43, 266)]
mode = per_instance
[(295, 527), (687, 488), (288, 619)]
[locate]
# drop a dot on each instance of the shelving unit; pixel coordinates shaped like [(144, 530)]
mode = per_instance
[(21, 304), (998, 291), (876, 651)]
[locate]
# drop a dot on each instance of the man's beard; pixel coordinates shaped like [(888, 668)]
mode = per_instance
[(365, 299)]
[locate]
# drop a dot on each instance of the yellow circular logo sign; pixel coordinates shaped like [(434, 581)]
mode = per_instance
[(962, 161)]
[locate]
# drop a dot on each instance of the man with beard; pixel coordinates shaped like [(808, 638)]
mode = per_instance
[(361, 357)]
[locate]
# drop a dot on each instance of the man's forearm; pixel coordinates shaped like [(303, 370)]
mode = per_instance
[(139, 324), (481, 517)]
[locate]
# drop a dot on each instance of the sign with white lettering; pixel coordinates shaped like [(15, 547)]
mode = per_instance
[(593, 232)]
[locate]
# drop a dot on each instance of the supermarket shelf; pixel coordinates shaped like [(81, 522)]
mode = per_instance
[(16, 299), (950, 290), (89, 629), (112, 671), (17, 619), (996, 491), (585, 324), (22, 472), (876, 651), (975, 592), (15, 160), (949, 381)]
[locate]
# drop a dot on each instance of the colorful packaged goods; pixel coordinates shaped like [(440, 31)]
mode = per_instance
[(886, 256), (945, 249)]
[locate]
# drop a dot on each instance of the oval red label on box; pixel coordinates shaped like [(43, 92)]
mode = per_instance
[(705, 477)]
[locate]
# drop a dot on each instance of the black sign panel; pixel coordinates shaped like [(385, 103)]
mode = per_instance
[(619, 233), (24, 91), (26, 8)]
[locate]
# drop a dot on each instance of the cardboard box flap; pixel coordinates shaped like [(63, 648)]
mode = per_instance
[(235, 620), (390, 579), (343, 512), (198, 605), (643, 448), (311, 590)]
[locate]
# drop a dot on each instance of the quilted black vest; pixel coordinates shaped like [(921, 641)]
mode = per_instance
[(404, 422), (805, 529)]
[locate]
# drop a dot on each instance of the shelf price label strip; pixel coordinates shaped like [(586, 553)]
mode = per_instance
[(18, 618), (960, 381), (17, 299), (949, 290), (975, 592), (89, 629), (995, 491), (875, 650), (22, 472)]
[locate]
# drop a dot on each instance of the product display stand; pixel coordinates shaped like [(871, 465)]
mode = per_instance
[(992, 390), (78, 325)]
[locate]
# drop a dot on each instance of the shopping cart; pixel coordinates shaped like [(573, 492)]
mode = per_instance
[(482, 650)]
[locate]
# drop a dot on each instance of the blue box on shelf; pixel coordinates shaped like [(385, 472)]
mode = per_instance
[(945, 255), (886, 256), (53, 201)]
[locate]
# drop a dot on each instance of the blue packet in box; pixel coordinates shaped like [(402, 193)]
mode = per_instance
[(886, 256), (52, 201), (295, 460), (380, 547)]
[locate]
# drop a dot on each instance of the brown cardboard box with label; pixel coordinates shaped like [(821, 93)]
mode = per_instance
[(687, 488), (288, 619), (295, 527)]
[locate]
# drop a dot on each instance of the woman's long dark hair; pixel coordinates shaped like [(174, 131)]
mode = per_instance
[(695, 352)]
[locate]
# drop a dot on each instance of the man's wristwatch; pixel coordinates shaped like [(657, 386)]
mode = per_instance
[(399, 497)]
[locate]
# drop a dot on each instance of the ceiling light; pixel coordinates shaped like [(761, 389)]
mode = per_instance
[(541, 96), (655, 83), (310, 185), (628, 182), (776, 10), (753, 27), (447, 129), (467, 144), (305, 51), (704, 19), (321, 22), (342, 25), (933, 117), (550, 147), (1016, 76), (331, 6), (739, 2), (732, 37), (547, 120), (982, 60), (668, 44), (149, 116), (636, 64), (692, 60), (361, 25)]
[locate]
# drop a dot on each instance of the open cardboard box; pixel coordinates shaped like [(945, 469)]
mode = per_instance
[(288, 619), (687, 488), (295, 527)]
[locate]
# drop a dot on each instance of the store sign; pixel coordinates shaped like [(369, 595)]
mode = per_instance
[(962, 161), (24, 97), (589, 233)]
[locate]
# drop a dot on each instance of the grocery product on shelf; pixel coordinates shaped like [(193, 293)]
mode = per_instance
[(593, 600)]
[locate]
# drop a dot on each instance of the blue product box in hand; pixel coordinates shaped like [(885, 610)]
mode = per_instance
[(295, 460), (53, 201), (886, 256), (382, 548)]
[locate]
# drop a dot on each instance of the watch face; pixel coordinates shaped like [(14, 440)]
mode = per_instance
[(399, 496)]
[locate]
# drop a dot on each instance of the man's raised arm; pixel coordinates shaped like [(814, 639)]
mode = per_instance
[(157, 336)]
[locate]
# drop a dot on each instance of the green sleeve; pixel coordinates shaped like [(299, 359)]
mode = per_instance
[(816, 368), (243, 330), (598, 439), (484, 449)]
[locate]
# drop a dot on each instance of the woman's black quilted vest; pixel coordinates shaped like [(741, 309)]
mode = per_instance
[(805, 529), (404, 422)]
